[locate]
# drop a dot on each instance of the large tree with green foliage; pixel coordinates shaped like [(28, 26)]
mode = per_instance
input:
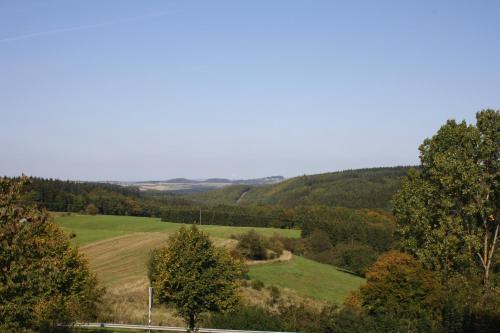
[(399, 286), (44, 281), (447, 211), (194, 275)]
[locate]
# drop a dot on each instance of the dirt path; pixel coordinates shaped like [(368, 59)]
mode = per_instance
[(242, 195)]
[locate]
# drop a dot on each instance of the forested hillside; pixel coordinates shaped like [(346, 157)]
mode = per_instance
[(363, 188), (97, 198)]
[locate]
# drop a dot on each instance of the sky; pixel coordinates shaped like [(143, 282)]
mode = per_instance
[(141, 90)]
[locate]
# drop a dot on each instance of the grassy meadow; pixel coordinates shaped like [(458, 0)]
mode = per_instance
[(90, 229), (118, 247), (308, 278)]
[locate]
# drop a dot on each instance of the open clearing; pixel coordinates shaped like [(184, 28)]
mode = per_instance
[(89, 229), (118, 247), (308, 278)]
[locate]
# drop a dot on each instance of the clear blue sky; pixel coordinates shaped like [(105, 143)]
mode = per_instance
[(134, 90)]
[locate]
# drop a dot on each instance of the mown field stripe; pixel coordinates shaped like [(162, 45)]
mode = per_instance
[(89, 229)]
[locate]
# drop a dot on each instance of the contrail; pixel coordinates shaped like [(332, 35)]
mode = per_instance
[(81, 27)]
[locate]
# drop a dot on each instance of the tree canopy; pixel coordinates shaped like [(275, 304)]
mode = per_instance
[(448, 211), (194, 275), (362, 188), (399, 286), (44, 281)]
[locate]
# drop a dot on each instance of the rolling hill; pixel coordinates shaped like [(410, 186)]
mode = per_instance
[(117, 248), (362, 188), (189, 186)]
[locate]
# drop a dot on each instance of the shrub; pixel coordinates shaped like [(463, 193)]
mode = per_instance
[(251, 246), (257, 284), (246, 317), (275, 295), (355, 257), (398, 286), (300, 317), (347, 320), (295, 245), (275, 245), (91, 209), (319, 241)]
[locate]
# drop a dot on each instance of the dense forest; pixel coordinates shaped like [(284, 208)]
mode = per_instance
[(362, 188), (347, 238), (97, 198), (255, 216)]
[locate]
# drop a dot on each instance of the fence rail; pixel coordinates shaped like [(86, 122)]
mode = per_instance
[(164, 328)]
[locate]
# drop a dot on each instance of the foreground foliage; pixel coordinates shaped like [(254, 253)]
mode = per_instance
[(194, 275), (398, 286), (447, 223), (43, 280), (448, 211)]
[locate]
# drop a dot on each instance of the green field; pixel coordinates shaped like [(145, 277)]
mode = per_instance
[(118, 247), (308, 278), (89, 229)]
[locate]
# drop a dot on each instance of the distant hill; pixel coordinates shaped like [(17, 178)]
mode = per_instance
[(184, 185), (362, 188)]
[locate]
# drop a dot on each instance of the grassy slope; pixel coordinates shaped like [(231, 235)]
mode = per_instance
[(118, 247), (89, 229), (363, 188), (308, 278)]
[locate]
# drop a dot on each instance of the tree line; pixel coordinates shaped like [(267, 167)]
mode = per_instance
[(108, 199), (257, 216), (362, 188)]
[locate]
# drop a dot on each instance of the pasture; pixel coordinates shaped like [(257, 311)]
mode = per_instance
[(89, 229), (117, 248), (308, 278)]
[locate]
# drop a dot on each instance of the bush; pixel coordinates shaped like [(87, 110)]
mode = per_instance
[(347, 320), (246, 317), (468, 307), (275, 245), (300, 317), (257, 284), (398, 286), (355, 257), (253, 246), (91, 209), (275, 295), (294, 245), (319, 241)]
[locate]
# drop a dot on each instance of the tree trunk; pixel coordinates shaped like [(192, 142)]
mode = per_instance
[(191, 323), (488, 251)]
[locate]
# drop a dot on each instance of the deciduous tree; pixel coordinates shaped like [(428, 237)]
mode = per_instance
[(399, 286), (447, 211), (44, 281), (194, 275)]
